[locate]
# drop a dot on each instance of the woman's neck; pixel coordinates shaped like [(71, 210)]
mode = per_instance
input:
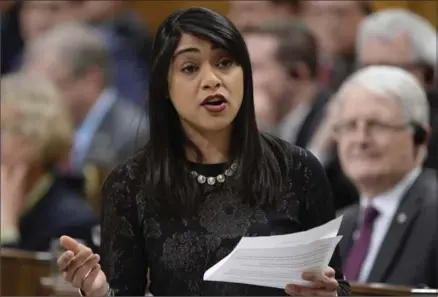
[(214, 146)]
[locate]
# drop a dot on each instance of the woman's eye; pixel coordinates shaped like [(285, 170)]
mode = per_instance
[(225, 63), (189, 69)]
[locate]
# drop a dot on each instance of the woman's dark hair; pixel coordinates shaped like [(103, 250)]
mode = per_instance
[(168, 180)]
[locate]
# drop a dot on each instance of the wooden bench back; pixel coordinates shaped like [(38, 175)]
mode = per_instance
[(21, 272), (377, 289)]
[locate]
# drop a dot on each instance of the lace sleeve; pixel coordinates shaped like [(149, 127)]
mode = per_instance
[(122, 242), (319, 209)]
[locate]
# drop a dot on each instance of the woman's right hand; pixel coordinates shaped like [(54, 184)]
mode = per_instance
[(81, 268)]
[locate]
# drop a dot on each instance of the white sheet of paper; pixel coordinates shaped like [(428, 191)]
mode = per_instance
[(275, 261)]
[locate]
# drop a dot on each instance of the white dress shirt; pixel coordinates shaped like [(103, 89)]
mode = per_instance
[(87, 129), (387, 205), (290, 126)]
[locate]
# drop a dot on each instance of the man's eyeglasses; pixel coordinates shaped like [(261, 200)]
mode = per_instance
[(373, 127)]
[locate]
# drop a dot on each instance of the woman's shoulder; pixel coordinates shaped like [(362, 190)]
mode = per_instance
[(126, 177)]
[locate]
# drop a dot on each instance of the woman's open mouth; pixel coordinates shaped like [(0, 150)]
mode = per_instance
[(215, 103)]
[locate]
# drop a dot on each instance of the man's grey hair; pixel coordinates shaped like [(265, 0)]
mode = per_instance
[(393, 83), (79, 46), (390, 22)]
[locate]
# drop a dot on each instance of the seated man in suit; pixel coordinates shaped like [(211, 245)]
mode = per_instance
[(75, 58), (38, 204), (382, 127), (284, 58), (401, 38), (335, 25)]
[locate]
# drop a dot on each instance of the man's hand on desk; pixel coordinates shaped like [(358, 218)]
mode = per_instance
[(323, 284)]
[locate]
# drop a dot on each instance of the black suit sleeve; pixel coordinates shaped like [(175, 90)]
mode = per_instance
[(432, 157), (318, 209), (122, 242), (433, 273)]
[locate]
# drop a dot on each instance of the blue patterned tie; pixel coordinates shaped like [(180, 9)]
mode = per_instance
[(358, 252)]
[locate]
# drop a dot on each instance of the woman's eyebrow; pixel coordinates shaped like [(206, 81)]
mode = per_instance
[(185, 50)]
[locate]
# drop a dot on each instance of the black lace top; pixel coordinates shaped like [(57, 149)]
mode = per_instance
[(179, 251)]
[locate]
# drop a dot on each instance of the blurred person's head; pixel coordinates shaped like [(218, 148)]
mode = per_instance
[(6, 5), (400, 38), (382, 124), (76, 59), (36, 17), (245, 13), (36, 129), (335, 24), (100, 11), (284, 60)]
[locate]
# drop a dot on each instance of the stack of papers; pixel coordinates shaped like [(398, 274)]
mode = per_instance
[(275, 261)]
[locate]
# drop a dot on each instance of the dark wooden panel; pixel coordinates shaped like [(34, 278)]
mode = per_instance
[(21, 272), (154, 12)]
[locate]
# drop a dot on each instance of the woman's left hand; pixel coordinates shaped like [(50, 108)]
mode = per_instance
[(323, 284)]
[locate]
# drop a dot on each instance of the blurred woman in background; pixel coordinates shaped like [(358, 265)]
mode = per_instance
[(38, 203)]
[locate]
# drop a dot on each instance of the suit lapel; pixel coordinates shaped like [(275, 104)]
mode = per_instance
[(311, 123), (347, 229), (397, 232)]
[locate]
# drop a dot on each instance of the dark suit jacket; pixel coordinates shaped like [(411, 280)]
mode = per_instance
[(432, 157), (313, 119), (344, 192), (123, 131), (409, 252), (11, 41), (62, 211)]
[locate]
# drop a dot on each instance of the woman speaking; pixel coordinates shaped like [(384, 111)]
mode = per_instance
[(206, 178)]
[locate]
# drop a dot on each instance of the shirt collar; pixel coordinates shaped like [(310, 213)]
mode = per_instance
[(388, 202)]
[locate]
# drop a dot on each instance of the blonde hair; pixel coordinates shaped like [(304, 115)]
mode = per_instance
[(33, 107)]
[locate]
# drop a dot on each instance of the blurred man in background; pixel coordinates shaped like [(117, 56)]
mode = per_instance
[(38, 203), (382, 127), (284, 58), (285, 63), (335, 25), (36, 17), (245, 13), (29, 19), (401, 38), (108, 128)]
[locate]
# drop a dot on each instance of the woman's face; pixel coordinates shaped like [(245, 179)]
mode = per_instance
[(205, 85)]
